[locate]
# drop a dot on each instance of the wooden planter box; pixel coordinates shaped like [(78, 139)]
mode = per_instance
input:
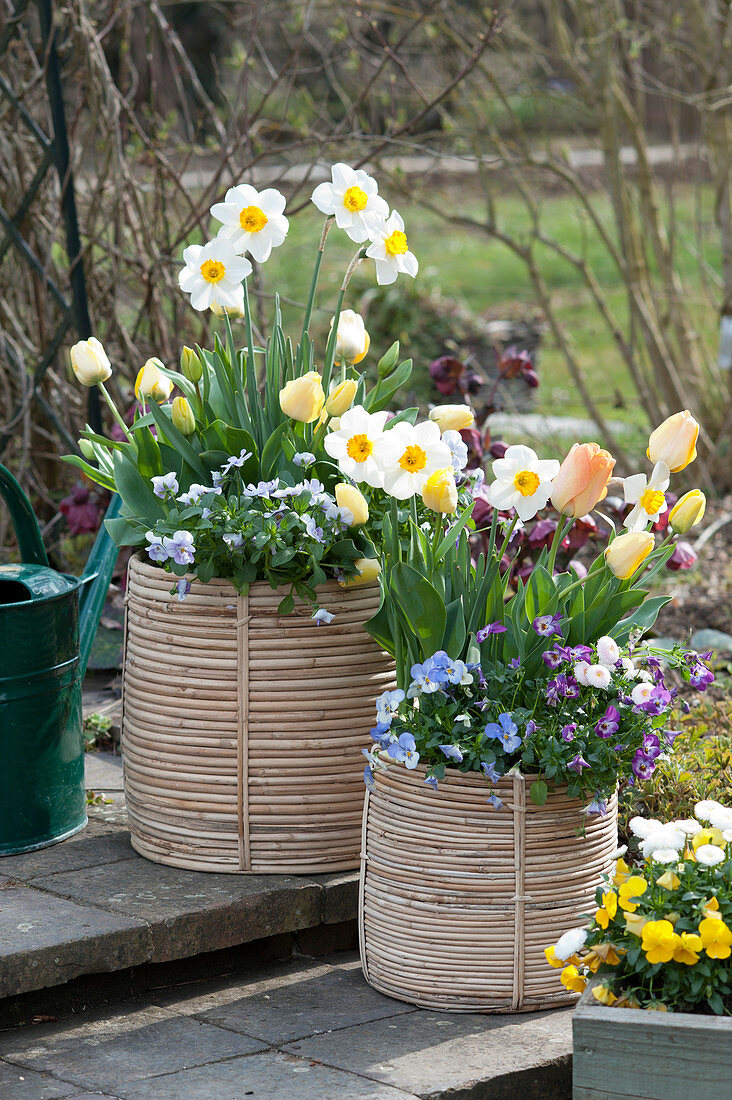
[(242, 730), (458, 900), (623, 1053)]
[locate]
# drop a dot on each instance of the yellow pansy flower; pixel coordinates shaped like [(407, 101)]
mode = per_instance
[(635, 923), (659, 941), (622, 872), (685, 951), (609, 908), (572, 979), (669, 880), (633, 888), (604, 995), (716, 938), (707, 836)]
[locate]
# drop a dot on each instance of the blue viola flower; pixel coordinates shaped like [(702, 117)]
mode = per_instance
[(405, 751), (368, 778), (303, 458), (426, 679), (387, 706), (597, 806), (452, 752), (183, 587), (506, 731), (491, 771), (431, 781), (322, 616), (166, 486), (311, 527), (381, 734), (495, 801), (236, 460)]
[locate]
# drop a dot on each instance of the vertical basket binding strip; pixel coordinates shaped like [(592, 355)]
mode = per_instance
[(458, 900), (243, 729)]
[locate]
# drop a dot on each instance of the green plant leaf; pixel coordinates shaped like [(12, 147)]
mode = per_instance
[(137, 495), (271, 451), (178, 440), (539, 792), (643, 619), (420, 605)]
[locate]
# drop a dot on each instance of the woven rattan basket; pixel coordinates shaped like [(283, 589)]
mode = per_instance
[(242, 729), (459, 900)]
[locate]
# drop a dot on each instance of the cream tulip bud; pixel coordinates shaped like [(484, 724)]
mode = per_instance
[(452, 417), (87, 449), (341, 397), (234, 313), (368, 571), (348, 496), (674, 441), (352, 339), (182, 416), (89, 362), (151, 382), (687, 512), (439, 491), (303, 398), (627, 552), (190, 365)]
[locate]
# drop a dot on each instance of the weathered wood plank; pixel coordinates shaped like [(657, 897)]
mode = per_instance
[(624, 1054)]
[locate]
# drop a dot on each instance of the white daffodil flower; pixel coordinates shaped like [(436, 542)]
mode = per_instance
[(213, 273), (523, 482), (390, 252), (407, 454), (647, 496), (353, 199), (252, 220), (353, 445)]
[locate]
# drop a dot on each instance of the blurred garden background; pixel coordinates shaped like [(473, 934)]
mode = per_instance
[(562, 167)]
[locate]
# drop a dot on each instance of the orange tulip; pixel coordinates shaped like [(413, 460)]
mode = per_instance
[(582, 479)]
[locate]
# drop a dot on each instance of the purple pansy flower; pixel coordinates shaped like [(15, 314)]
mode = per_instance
[(651, 746), (567, 732), (577, 763), (547, 625), (183, 587), (180, 547), (642, 766), (609, 723), (431, 781), (156, 551), (490, 628)]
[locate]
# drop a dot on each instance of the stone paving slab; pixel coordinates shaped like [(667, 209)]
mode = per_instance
[(92, 905), (232, 1038), (103, 771)]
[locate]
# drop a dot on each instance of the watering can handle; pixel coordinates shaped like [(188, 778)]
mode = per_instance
[(30, 543)]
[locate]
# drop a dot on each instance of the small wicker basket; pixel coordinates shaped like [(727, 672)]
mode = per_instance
[(459, 900), (242, 729)]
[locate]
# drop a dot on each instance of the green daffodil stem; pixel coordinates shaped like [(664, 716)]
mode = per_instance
[(330, 348), (115, 413), (314, 280), (560, 532), (436, 537)]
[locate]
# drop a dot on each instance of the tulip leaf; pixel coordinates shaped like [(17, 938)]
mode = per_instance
[(136, 493), (124, 533), (149, 461), (271, 451), (420, 605), (642, 619), (380, 628), (455, 630), (541, 594), (91, 472), (177, 439)]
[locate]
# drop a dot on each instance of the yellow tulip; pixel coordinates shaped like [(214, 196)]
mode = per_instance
[(190, 365), (182, 416), (303, 398), (352, 339), (348, 496), (89, 362), (341, 398), (604, 994), (674, 441), (627, 552), (572, 979), (687, 512), (669, 880), (151, 382), (368, 571), (452, 417), (439, 491)]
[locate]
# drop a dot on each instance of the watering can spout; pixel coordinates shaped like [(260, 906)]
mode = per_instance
[(99, 567)]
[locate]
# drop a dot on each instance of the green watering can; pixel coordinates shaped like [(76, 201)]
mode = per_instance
[(47, 625)]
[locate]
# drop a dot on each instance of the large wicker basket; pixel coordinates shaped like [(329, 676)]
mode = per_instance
[(459, 900), (242, 729)]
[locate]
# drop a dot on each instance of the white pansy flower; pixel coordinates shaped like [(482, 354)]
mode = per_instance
[(389, 250), (710, 855), (570, 943), (629, 670), (252, 220), (523, 481), (646, 494), (352, 197), (213, 273), (353, 446), (597, 676), (608, 651), (407, 454)]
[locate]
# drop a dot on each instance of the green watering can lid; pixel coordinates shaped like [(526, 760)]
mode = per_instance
[(25, 583)]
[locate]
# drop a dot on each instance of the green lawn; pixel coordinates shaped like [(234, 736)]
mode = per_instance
[(484, 275)]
